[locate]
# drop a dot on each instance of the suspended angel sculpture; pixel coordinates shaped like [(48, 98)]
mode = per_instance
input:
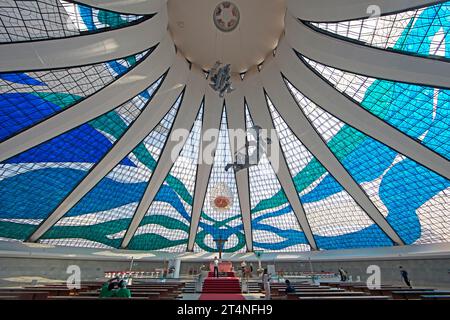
[(246, 158), (220, 78)]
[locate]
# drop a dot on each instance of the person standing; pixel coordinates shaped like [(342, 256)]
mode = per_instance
[(289, 287), (266, 282), (343, 274), (243, 267), (216, 267), (405, 276)]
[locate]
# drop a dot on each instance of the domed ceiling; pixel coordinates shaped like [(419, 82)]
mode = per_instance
[(106, 113)]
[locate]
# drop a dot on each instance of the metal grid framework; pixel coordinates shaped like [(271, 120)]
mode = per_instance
[(399, 187), (52, 170), (133, 180), (51, 19), (29, 98), (106, 210), (39, 176), (274, 225), (420, 112), (330, 210), (421, 31), (169, 216), (221, 225)]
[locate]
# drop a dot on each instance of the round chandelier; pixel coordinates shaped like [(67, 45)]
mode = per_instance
[(221, 197)]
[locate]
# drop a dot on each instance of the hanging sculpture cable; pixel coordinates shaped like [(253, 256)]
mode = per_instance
[(220, 75), (250, 154)]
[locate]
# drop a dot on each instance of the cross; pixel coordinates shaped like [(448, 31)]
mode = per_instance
[(220, 242)]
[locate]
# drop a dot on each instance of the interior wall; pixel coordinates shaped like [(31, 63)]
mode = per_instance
[(14, 271), (422, 272)]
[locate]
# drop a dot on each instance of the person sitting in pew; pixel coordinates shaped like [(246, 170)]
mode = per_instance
[(109, 287), (105, 292), (123, 291), (289, 287), (405, 277)]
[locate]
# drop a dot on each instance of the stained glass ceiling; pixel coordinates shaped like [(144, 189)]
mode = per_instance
[(80, 146)]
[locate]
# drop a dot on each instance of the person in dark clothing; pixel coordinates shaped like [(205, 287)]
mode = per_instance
[(113, 283), (123, 291), (343, 274), (109, 288), (405, 276), (105, 292), (216, 267), (289, 287)]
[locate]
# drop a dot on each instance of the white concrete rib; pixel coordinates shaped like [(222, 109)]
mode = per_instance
[(188, 110), (365, 60), (340, 10), (332, 101), (107, 99), (212, 115), (137, 7), (84, 49), (150, 117), (235, 108), (310, 138), (257, 104)]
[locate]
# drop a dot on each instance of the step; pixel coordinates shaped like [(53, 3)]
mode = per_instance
[(221, 285)]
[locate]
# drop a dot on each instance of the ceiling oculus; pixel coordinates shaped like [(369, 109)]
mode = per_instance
[(226, 16)]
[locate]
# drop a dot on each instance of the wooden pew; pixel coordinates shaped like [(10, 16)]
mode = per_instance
[(171, 288), (90, 298), (347, 298), (10, 298), (282, 291), (416, 294), (388, 291), (435, 297), (154, 294), (341, 284), (365, 288), (91, 290), (22, 294), (297, 295), (165, 291), (147, 295), (53, 291)]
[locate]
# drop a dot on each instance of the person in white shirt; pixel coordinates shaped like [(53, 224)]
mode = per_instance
[(243, 268), (266, 282), (216, 267)]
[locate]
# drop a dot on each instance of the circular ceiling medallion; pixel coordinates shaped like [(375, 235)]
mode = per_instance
[(226, 16), (199, 29)]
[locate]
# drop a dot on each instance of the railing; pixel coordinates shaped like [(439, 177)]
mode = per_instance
[(157, 273)]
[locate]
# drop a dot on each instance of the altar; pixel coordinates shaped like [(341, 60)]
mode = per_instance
[(224, 266)]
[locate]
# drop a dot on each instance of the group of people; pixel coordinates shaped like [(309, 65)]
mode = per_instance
[(267, 278), (246, 271), (115, 287), (403, 273)]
